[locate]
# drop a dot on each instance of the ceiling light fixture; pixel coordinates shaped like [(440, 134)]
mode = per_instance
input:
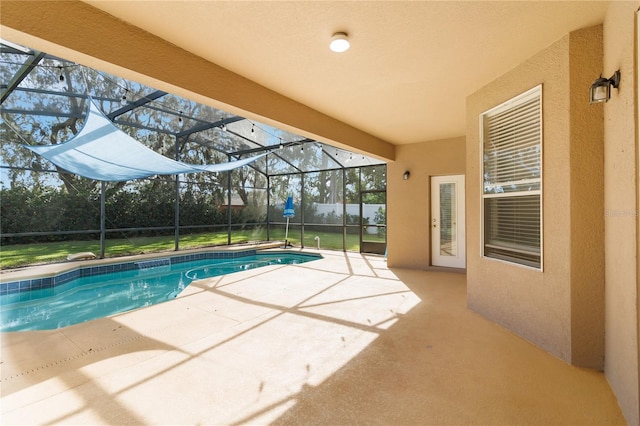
[(339, 42)]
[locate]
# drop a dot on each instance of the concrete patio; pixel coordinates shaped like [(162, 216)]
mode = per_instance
[(342, 340)]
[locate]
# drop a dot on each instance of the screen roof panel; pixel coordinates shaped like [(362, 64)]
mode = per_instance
[(53, 90)]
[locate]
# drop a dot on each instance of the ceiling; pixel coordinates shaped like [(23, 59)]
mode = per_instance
[(410, 66)]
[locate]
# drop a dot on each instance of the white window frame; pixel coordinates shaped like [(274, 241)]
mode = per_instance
[(512, 103)]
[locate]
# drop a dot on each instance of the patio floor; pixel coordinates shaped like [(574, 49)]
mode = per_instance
[(342, 340)]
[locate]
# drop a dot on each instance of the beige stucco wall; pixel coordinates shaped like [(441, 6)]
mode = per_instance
[(408, 201), (560, 309), (586, 153), (621, 209)]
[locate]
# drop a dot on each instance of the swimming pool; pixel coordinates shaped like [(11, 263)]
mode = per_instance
[(95, 292)]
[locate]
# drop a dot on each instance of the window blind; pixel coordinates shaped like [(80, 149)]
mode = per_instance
[(512, 180)]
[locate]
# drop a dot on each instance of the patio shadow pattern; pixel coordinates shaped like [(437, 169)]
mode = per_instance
[(341, 340)]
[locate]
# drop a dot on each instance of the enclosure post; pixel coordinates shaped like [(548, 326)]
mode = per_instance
[(344, 210), (103, 212), (229, 205), (176, 210), (268, 203), (176, 214), (360, 209), (302, 210)]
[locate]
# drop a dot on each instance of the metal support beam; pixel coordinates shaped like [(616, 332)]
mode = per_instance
[(268, 206), (54, 93), (176, 231), (270, 147), (176, 214), (132, 105), (103, 221), (302, 201), (229, 205), (333, 158), (24, 70), (207, 126), (344, 209), (143, 127), (43, 113)]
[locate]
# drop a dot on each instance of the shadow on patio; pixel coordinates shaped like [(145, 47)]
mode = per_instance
[(342, 340), (443, 364)]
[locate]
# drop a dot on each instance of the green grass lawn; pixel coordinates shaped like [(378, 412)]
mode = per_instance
[(18, 255)]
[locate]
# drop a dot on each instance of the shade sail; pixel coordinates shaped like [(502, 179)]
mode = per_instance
[(103, 152)]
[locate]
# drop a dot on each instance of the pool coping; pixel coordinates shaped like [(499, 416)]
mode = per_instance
[(51, 275)]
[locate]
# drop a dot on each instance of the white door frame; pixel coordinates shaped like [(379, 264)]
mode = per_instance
[(455, 256)]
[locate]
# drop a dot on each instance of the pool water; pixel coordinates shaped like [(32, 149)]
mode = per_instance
[(88, 298)]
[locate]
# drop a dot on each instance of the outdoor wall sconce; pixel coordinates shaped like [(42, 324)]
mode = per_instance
[(406, 175), (601, 88)]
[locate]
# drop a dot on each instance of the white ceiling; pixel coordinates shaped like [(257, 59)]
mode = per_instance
[(410, 66)]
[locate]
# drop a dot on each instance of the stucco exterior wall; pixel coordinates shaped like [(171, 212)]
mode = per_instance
[(621, 210), (408, 201), (586, 152), (561, 308)]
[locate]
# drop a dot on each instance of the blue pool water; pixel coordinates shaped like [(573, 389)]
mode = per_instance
[(97, 296)]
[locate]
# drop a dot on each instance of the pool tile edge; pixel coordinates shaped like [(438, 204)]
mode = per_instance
[(56, 274)]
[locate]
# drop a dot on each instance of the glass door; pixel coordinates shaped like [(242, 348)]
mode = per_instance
[(447, 221)]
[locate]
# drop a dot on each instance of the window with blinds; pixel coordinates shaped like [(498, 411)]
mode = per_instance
[(512, 180)]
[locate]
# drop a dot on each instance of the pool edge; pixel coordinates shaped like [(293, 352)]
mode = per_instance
[(43, 276)]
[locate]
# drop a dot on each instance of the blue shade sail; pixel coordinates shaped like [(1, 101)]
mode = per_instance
[(103, 152)]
